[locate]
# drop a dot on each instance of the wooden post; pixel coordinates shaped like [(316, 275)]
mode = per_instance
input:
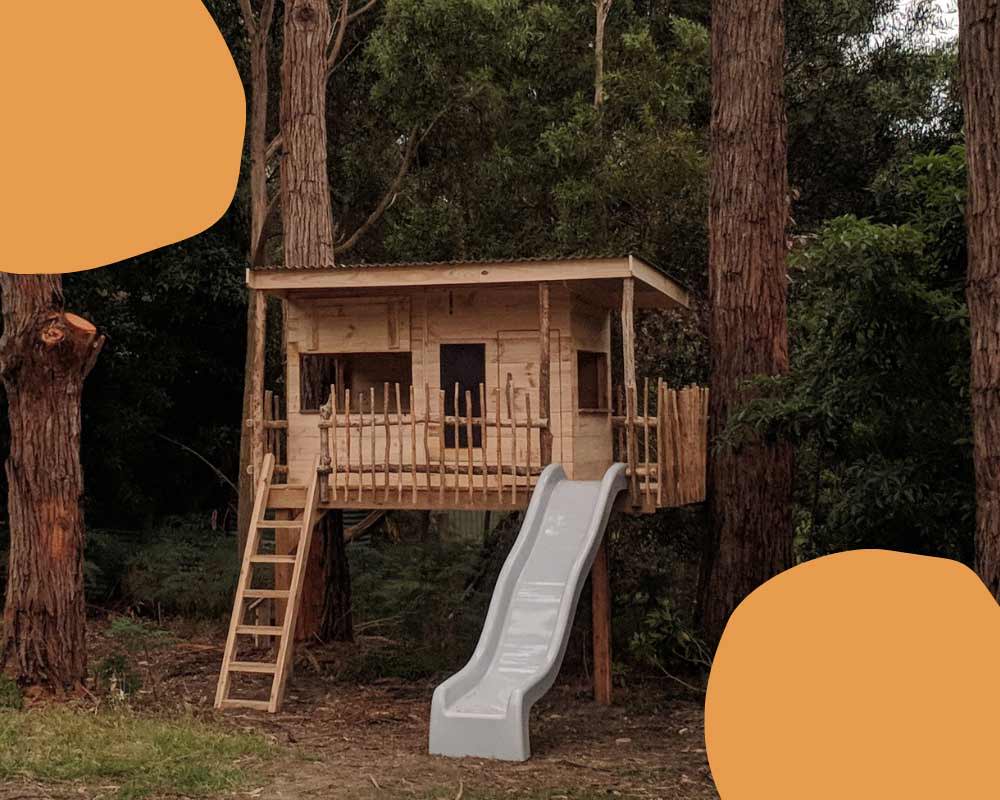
[(601, 616), (388, 441), (628, 331), (544, 379), (325, 462), (257, 382)]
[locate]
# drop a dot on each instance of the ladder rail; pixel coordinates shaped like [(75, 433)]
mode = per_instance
[(310, 516), (250, 548)]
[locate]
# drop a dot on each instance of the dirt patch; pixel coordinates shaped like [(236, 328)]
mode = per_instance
[(370, 741)]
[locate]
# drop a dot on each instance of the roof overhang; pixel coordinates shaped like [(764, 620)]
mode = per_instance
[(653, 289)]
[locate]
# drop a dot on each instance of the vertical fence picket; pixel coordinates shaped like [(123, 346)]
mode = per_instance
[(427, 437), (399, 443), (334, 447), (413, 443), (387, 432), (483, 440)]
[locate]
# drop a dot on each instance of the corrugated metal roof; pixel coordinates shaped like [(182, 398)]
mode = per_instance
[(465, 262), (458, 262)]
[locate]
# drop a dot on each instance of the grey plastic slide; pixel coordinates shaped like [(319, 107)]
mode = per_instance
[(483, 709)]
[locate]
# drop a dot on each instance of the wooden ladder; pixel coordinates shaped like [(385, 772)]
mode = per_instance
[(285, 633)]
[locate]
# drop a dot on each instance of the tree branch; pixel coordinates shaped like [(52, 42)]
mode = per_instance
[(219, 473), (266, 15), (249, 19), (257, 251), (273, 147), (389, 197), (343, 18), (362, 11), (330, 69)]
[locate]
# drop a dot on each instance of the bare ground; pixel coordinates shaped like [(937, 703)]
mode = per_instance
[(346, 740)]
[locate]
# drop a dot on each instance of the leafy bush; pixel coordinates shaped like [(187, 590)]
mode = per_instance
[(877, 400), (667, 637), (10, 694), (136, 642), (183, 568)]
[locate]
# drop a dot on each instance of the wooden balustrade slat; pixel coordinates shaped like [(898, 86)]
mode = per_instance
[(499, 451), (645, 438), (527, 413), (483, 440), (427, 425), (347, 449), (413, 442), (399, 443), (334, 445), (441, 448)]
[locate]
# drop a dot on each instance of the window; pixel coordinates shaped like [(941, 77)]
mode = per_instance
[(359, 372), (464, 364), (592, 381)]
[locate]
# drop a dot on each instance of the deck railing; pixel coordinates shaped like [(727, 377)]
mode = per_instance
[(276, 436), (397, 453), (662, 435), (401, 450)]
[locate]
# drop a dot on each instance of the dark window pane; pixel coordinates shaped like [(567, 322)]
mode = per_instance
[(592, 381), (464, 364), (359, 372)]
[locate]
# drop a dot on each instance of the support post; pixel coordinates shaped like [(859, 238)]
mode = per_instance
[(257, 382), (544, 377), (601, 617), (628, 330)]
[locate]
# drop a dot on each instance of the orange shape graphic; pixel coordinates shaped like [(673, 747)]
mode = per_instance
[(123, 130), (861, 675)]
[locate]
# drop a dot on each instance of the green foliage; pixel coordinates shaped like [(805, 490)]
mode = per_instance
[(865, 88), (143, 757), (135, 642), (182, 568), (877, 399), (667, 636), (10, 694), (428, 599), (117, 676)]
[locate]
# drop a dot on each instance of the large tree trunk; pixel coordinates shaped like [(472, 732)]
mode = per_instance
[(750, 486), (305, 188), (308, 241), (979, 55), (45, 355)]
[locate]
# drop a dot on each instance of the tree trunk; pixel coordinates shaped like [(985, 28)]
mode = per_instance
[(258, 32), (337, 623), (308, 242), (45, 355), (305, 189), (603, 8), (979, 58), (750, 487)]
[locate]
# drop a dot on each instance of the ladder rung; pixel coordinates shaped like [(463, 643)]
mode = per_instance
[(268, 559), (283, 524), (235, 702), (252, 666), (274, 594), (259, 630)]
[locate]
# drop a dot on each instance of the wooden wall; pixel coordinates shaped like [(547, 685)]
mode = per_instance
[(592, 439), (503, 318)]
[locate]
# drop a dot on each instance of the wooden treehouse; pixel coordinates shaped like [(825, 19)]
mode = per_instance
[(452, 385)]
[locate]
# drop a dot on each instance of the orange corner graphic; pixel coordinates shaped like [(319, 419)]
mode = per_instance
[(867, 674), (123, 130)]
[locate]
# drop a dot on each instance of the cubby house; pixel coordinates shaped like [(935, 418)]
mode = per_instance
[(452, 384), (448, 386)]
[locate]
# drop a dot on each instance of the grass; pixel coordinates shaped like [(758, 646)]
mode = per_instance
[(141, 756)]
